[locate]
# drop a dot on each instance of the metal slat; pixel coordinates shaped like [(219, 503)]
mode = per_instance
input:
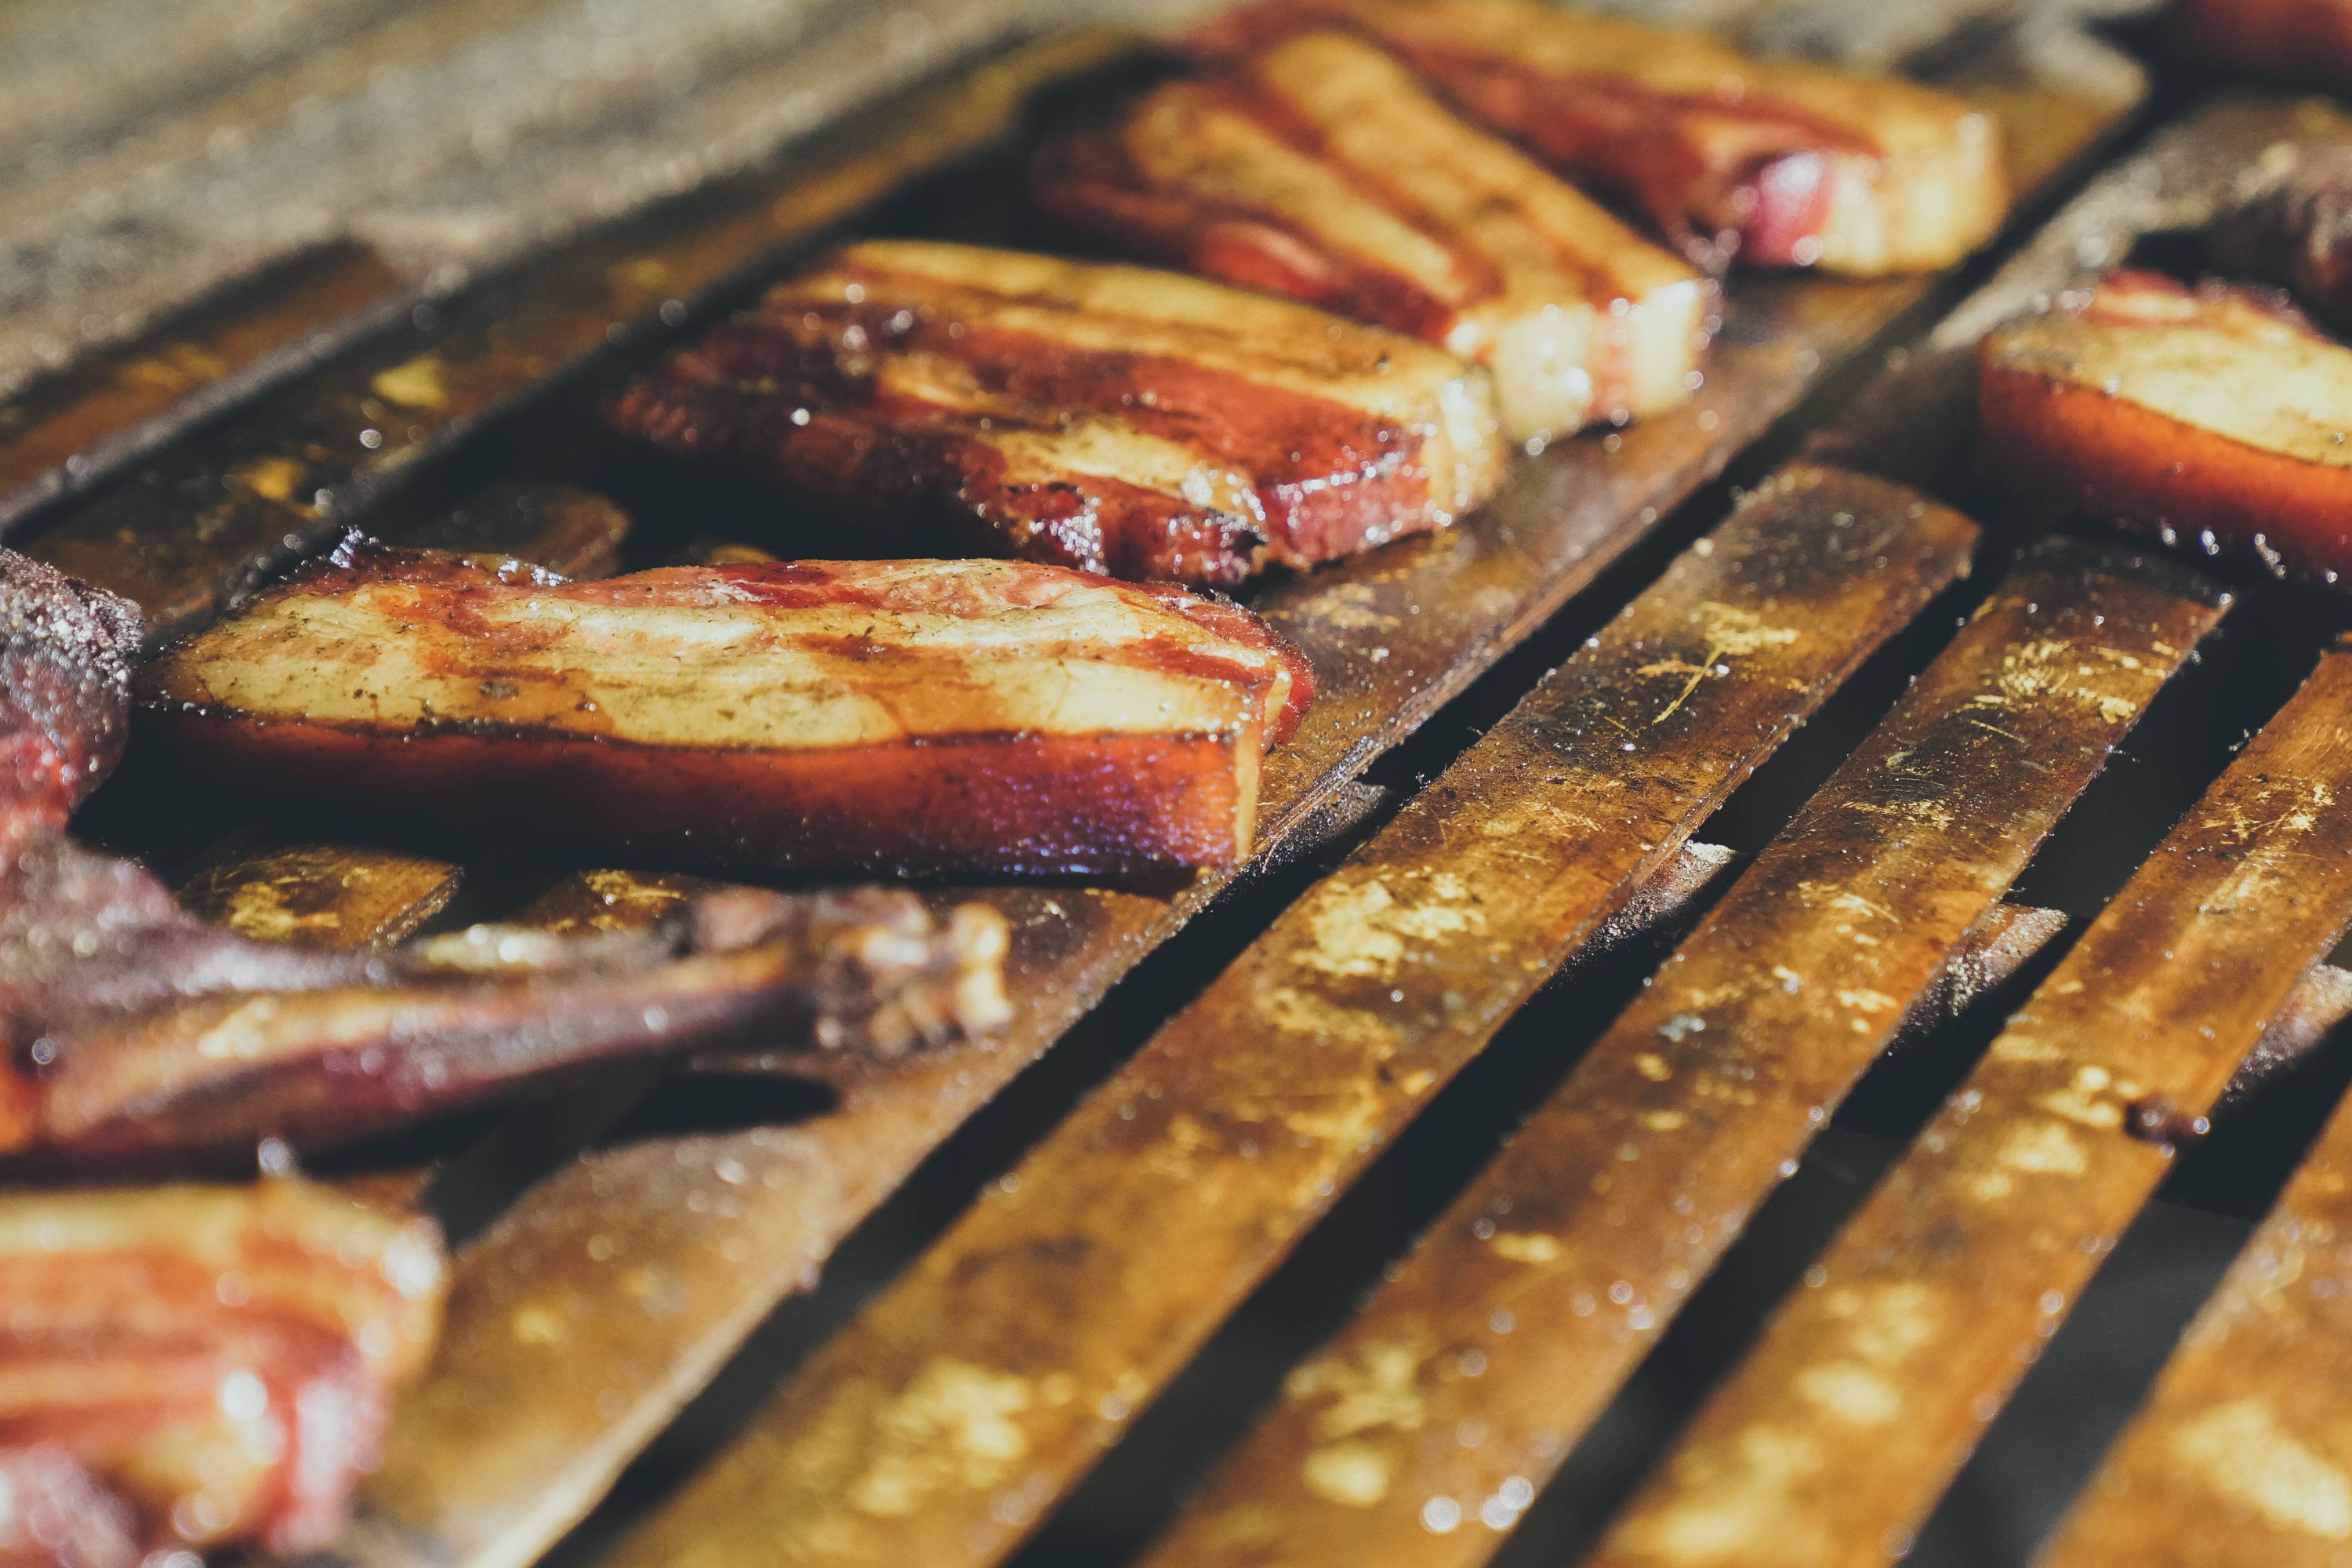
[(1869, 1388), (1547, 1277), (938, 1426), (322, 895), (2242, 1455)]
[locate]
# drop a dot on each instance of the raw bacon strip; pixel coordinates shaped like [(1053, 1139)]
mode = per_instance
[(1777, 162), (908, 715), (1319, 167), (2216, 418), (220, 1358), (1107, 418)]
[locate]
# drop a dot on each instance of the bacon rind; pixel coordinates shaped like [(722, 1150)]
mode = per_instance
[(65, 654), (2059, 418), (865, 969), (1319, 167), (914, 716), (1777, 162), (221, 1357), (1106, 418)]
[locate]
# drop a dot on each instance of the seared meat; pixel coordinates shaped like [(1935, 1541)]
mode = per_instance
[(221, 1359), (2296, 229), (2306, 41), (909, 715), (1319, 167), (1106, 418), (147, 1031), (1778, 162), (2216, 418)]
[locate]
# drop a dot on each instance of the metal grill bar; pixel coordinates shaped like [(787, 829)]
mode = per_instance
[(1070, 1294), (1530, 1299), (2243, 1456), (1843, 1426)]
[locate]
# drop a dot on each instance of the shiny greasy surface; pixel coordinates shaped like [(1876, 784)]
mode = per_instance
[(2195, 415), (1319, 167), (1108, 418), (918, 714), (1867, 1389), (1075, 1288), (222, 1356), (1559, 1265), (2242, 1456), (1774, 162)]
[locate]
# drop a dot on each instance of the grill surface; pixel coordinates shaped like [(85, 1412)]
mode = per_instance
[(1647, 1198)]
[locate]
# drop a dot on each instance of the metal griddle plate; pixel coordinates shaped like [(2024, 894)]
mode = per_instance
[(955, 1411)]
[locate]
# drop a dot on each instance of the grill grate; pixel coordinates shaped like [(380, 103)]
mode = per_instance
[(607, 1274)]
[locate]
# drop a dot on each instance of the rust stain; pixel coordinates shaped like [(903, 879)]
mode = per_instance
[(1622, 1190), (1971, 1251)]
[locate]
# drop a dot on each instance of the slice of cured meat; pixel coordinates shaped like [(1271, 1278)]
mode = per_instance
[(220, 1359), (1320, 168), (1779, 163), (901, 715), (2214, 417), (2306, 41), (1108, 418)]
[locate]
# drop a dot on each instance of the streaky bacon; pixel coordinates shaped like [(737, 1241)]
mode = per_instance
[(1319, 167), (1107, 418), (2214, 417), (189, 1366), (1779, 163), (909, 715)]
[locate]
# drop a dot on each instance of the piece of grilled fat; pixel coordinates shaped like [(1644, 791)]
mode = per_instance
[(1114, 419), (189, 1367), (2214, 417), (1779, 163), (1320, 168), (917, 716)]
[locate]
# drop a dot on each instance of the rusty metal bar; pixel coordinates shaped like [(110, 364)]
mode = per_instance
[(2242, 1457), (937, 1426), (1869, 1388), (1526, 1305)]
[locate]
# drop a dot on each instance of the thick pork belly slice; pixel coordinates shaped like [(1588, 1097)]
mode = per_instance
[(2307, 41), (1113, 419), (917, 716), (2215, 417), (1320, 168), (220, 1358), (1778, 162), (2295, 228)]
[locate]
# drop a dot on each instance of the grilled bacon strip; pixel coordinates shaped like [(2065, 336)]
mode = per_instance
[(1320, 168), (2214, 417), (1106, 418), (905, 715), (151, 1032), (220, 1359), (2307, 41), (2295, 230), (1778, 163)]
